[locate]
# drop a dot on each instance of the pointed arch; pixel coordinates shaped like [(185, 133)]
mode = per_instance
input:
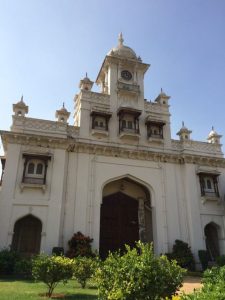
[(27, 235), (148, 188), (211, 231), (126, 214)]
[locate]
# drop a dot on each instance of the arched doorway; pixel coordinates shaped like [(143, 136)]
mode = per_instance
[(27, 236), (212, 240), (125, 215)]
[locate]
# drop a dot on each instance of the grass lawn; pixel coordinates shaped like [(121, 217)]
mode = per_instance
[(14, 289)]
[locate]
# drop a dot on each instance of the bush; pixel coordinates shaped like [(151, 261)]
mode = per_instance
[(213, 286), (58, 251), (182, 254), (51, 270), (80, 245), (138, 274), (204, 258), (23, 268), (84, 268), (8, 259), (220, 260)]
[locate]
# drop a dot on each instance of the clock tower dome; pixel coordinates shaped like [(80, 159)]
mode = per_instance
[(122, 77)]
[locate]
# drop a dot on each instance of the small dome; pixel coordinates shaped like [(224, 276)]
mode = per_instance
[(122, 50), (63, 109), (212, 133), (86, 78), (184, 128)]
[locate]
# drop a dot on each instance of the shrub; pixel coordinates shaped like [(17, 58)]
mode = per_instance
[(182, 254), (51, 270), (138, 274), (58, 251), (204, 258), (23, 268), (8, 259), (84, 268), (213, 286), (220, 260), (80, 245)]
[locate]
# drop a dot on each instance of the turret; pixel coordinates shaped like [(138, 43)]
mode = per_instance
[(214, 137), (62, 114), (184, 133), (86, 84), (20, 108)]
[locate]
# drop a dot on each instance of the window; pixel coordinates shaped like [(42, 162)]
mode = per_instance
[(30, 168), (209, 184), (128, 121), (35, 169), (154, 129), (100, 120), (39, 169), (129, 124)]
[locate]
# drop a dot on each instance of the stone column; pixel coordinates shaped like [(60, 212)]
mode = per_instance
[(141, 220)]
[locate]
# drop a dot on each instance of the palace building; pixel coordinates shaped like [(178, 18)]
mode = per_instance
[(115, 175)]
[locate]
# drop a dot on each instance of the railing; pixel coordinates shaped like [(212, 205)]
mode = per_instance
[(34, 180)]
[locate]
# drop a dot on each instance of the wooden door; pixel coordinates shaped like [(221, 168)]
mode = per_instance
[(119, 223), (212, 241), (27, 236)]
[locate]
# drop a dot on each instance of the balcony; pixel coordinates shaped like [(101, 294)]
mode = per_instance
[(125, 88)]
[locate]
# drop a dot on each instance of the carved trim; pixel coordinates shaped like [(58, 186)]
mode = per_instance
[(95, 147)]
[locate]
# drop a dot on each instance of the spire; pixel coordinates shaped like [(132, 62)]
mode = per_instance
[(120, 39), (63, 105), (182, 123)]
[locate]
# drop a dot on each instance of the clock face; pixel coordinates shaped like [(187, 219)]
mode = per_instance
[(126, 75)]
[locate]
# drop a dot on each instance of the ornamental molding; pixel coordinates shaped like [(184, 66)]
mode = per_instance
[(153, 107), (97, 148)]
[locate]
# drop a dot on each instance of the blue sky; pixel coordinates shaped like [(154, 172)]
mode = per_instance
[(47, 46)]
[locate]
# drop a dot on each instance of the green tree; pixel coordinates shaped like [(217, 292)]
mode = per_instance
[(138, 274), (84, 268), (51, 270)]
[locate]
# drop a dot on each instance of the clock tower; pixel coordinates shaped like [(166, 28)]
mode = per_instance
[(122, 77)]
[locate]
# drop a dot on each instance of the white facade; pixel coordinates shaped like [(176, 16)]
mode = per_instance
[(120, 143)]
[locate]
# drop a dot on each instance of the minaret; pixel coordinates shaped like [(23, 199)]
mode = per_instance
[(214, 137), (62, 114), (184, 133), (20, 108)]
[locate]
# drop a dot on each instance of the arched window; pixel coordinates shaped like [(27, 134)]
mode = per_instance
[(30, 169), (39, 169), (209, 185), (35, 169)]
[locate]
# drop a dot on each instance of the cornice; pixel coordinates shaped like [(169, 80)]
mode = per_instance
[(122, 151)]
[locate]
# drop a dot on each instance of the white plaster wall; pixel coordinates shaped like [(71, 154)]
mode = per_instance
[(7, 194)]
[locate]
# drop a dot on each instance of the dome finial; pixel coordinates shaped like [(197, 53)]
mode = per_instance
[(120, 39), (213, 128), (182, 123)]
